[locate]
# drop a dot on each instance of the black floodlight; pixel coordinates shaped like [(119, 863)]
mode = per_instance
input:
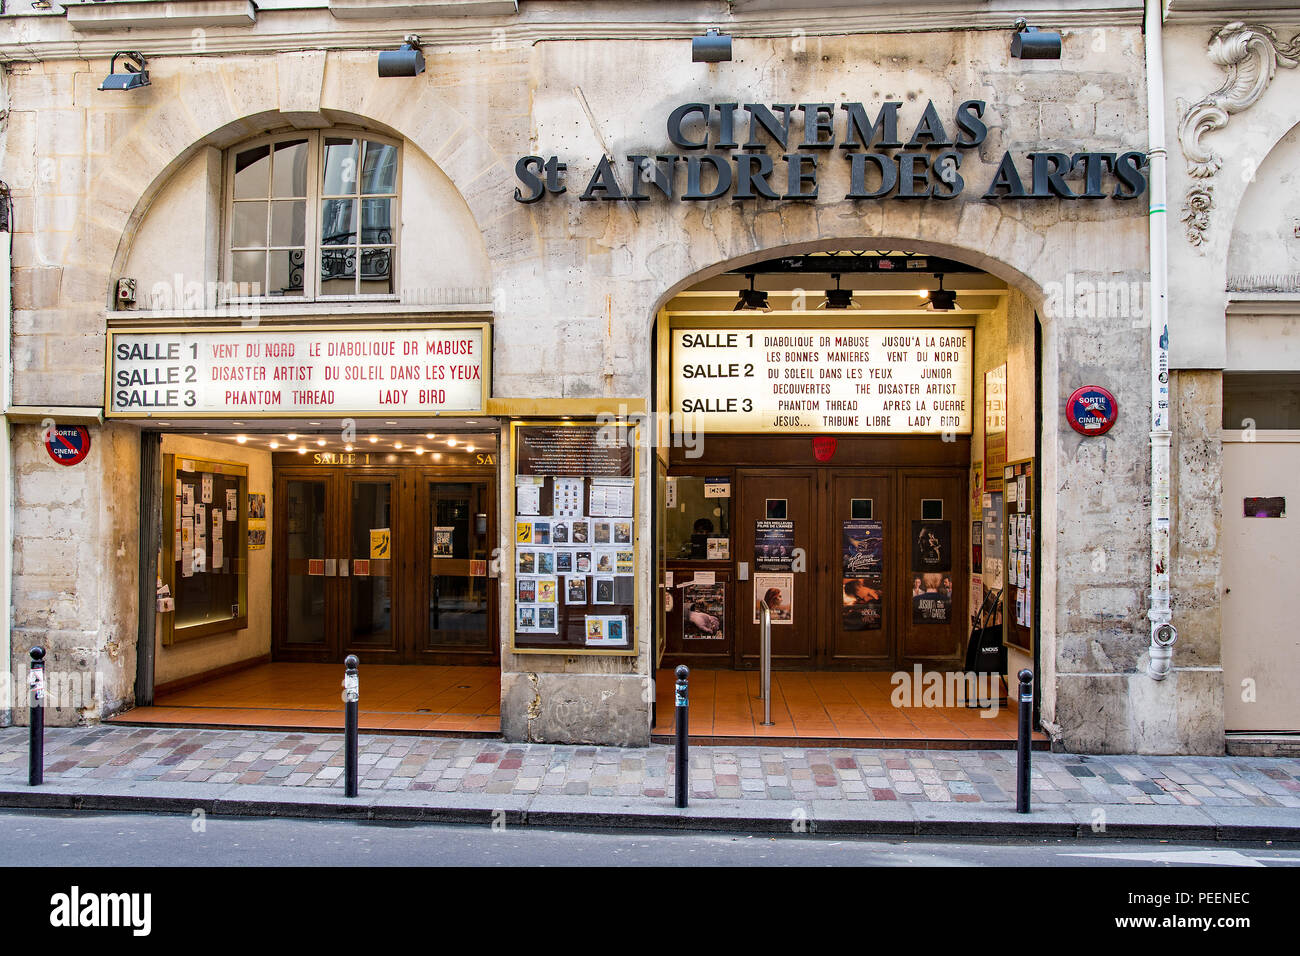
[(713, 47), (751, 299), (838, 298), (407, 61), (1031, 43), (941, 299), (134, 74)]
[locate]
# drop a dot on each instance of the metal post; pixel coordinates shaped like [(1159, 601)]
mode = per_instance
[(351, 692), (683, 762), (765, 615), (36, 705), (1022, 741)]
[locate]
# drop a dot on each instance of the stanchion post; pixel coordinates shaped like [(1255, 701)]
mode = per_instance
[(351, 694), (683, 762), (1023, 741), (36, 711)]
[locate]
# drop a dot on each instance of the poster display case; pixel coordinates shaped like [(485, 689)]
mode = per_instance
[(1019, 567), (574, 538), (204, 567)]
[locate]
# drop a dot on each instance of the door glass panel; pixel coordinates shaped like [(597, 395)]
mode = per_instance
[(457, 537), (305, 598), (370, 617)]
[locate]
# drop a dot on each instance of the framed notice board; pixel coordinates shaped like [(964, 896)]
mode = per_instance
[(574, 538), (1020, 553), (204, 547)]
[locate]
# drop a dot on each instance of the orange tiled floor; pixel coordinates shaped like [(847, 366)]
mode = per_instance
[(411, 698), (834, 705)]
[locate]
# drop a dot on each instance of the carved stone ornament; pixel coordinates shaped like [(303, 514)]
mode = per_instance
[(1196, 211), (1250, 56)]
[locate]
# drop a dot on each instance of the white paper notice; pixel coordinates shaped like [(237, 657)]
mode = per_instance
[(528, 498), (207, 489)]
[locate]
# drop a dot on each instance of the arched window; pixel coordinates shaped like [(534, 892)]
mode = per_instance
[(313, 216)]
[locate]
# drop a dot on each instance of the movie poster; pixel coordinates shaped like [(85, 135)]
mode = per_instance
[(704, 612), (773, 544), (862, 558), (778, 589), (931, 546), (931, 598)]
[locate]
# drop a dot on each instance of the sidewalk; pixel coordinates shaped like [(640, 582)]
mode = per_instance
[(230, 772)]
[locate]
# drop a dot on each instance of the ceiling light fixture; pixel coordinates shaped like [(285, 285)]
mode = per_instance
[(274, 445), (941, 299), (838, 298), (751, 299)]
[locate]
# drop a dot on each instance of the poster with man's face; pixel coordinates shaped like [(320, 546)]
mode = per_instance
[(931, 546)]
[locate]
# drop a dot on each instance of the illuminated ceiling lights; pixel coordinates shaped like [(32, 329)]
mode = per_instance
[(751, 299), (940, 299), (838, 298)]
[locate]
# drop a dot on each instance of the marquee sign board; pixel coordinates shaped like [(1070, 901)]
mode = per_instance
[(275, 372), (863, 381)]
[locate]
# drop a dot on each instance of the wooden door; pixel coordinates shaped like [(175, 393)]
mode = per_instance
[(858, 571), (453, 617), (785, 495), (306, 602), (933, 542), (374, 532)]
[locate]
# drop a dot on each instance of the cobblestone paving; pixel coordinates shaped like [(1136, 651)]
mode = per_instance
[(394, 763)]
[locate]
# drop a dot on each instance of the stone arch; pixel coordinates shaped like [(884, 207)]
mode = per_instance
[(215, 103), (1269, 204)]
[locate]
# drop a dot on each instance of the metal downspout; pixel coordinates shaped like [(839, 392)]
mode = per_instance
[(1163, 633)]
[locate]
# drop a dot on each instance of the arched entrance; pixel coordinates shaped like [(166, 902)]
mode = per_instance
[(841, 425)]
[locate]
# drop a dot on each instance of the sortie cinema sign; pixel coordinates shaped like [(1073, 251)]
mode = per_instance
[(890, 155), (295, 371)]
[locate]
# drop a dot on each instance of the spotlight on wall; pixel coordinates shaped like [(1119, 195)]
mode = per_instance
[(407, 61), (134, 74), (752, 299), (1031, 43), (940, 299), (713, 47), (838, 298)]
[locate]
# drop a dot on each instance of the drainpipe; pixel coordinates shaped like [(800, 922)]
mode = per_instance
[(1163, 633), (6, 458)]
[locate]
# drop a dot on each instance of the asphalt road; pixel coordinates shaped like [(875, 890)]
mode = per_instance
[(64, 838)]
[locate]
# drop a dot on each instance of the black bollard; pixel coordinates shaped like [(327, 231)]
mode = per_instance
[(351, 693), (1022, 741), (36, 703), (683, 762)]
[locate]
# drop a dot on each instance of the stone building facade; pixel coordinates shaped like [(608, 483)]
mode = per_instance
[(112, 184)]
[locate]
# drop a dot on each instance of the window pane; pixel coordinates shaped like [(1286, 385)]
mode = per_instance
[(252, 173), (377, 271), (248, 225), (1266, 399), (250, 267), (340, 167), (338, 222), (379, 168), (286, 272), (695, 520), (338, 270), (289, 173), (289, 223), (376, 221)]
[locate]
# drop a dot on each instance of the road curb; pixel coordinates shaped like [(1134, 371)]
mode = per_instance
[(703, 819)]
